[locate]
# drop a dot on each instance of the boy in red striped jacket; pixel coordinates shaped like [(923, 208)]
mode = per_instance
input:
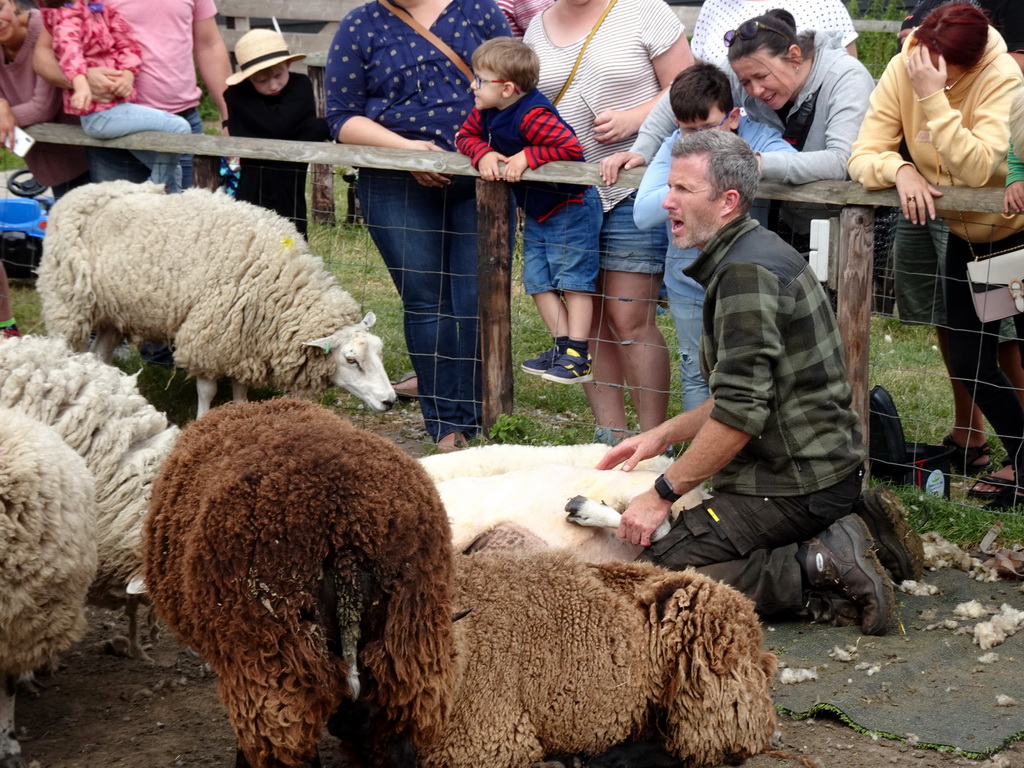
[(515, 124)]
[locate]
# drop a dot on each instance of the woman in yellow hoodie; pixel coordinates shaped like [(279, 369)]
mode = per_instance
[(947, 95)]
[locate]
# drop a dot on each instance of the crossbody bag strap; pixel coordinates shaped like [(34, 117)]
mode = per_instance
[(572, 75), (431, 38)]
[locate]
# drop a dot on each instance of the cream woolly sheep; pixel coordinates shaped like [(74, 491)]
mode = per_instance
[(231, 285), (558, 656), (535, 499), (99, 412), (47, 555)]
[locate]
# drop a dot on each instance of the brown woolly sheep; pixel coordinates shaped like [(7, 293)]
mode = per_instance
[(559, 656), (283, 545)]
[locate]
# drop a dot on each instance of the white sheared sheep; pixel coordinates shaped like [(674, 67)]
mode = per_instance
[(231, 285), (535, 500), (99, 412), (47, 555)]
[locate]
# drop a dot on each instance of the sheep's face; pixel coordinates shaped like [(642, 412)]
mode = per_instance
[(359, 364)]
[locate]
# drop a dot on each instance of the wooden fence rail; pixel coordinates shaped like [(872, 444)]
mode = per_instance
[(855, 253)]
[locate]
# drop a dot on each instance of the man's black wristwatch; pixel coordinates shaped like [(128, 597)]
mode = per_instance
[(664, 489)]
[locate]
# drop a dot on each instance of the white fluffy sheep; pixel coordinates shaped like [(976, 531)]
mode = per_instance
[(99, 412), (490, 490), (231, 285), (47, 555)]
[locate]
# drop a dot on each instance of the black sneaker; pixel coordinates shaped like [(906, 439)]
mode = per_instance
[(542, 364), (840, 560), (899, 547)]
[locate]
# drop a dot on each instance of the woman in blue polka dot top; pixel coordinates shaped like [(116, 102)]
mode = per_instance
[(387, 86)]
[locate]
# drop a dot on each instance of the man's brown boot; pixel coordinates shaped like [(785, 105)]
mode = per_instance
[(840, 559)]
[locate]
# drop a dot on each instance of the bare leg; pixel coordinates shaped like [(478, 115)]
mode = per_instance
[(580, 310), (643, 354), (605, 393), (135, 649), (552, 312)]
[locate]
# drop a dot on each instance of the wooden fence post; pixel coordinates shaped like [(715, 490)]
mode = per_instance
[(321, 176), (856, 270), (494, 267)]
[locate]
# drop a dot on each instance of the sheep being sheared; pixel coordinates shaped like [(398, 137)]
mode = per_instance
[(559, 656), (533, 502), (47, 555), (232, 286), (309, 563), (100, 413)]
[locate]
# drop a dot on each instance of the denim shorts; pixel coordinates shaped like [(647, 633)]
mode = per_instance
[(624, 248), (561, 252)]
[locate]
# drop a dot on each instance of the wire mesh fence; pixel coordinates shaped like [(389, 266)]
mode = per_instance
[(884, 346)]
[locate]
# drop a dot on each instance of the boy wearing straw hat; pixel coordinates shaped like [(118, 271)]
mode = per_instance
[(267, 101)]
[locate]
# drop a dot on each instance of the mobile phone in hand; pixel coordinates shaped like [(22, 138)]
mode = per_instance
[(22, 142)]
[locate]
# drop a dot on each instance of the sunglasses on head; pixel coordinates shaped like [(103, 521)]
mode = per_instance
[(748, 31)]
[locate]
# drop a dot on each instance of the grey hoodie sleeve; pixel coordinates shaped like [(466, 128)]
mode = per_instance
[(659, 123)]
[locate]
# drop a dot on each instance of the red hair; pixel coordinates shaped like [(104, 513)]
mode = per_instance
[(957, 31)]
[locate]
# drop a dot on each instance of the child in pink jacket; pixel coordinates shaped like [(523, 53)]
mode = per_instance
[(92, 34)]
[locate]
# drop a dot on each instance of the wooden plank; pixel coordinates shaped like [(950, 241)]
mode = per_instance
[(494, 267), (838, 193), (856, 260)]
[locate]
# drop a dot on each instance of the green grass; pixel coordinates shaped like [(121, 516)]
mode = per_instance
[(875, 49)]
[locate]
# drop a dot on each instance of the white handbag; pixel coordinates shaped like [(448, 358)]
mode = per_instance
[(997, 285)]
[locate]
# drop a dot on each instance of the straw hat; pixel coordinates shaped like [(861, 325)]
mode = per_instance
[(259, 49)]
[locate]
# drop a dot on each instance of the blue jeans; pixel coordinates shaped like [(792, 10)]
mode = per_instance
[(427, 238), (688, 317), (112, 164)]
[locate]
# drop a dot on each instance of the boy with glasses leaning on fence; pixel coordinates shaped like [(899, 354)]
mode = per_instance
[(515, 124)]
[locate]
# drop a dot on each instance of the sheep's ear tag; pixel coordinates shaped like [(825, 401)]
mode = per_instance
[(324, 344)]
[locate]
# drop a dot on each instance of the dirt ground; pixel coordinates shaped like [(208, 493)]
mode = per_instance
[(103, 711)]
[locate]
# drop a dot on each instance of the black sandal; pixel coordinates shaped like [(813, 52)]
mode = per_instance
[(963, 459), (1000, 484), (1007, 498)]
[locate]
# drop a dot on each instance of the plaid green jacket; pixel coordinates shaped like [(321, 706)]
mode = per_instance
[(772, 355)]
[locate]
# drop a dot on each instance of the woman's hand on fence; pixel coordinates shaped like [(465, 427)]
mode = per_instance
[(429, 178), (917, 196), (926, 78), (1013, 198), (610, 166)]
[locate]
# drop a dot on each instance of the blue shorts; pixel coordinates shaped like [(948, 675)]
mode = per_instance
[(624, 248), (561, 252)]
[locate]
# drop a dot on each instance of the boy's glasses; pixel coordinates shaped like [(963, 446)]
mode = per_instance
[(719, 124), (479, 82), (747, 31)]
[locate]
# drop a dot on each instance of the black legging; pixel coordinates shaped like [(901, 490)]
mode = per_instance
[(973, 347)]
